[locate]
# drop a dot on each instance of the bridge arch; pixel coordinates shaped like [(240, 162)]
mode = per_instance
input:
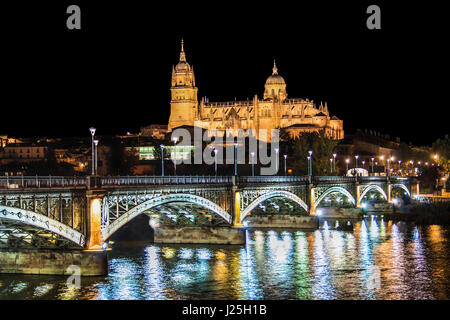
[(160, 200), (373, 187), (42, 222), (332, 190), (273, 194), (401, 186)]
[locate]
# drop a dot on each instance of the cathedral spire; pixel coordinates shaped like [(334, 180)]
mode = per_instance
[(274, 70), (182, 54)]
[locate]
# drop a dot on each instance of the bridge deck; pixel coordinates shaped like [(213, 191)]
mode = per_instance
[(51, 182)]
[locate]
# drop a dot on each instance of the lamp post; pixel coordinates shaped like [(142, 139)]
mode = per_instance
[(400, 166), (92, 130), (388, 168), (285, 170), (347, 162), (276, 159), (310, 162), (309, 159), (331, 165), (253, 163), (334, 162), (162, 160), (175, 139), (95, 156), (363, 163), (235, 158), (215, 161), (372, 163), (356, 161)]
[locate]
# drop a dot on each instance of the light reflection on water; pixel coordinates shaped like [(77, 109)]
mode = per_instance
[(407, 262)]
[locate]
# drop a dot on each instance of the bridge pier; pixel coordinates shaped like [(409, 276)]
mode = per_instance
[(199, 235), (236, 205), (358, 195), (94, 215), (416, 190), (53, 262), (283, 221), (389, 192), (311, 199)]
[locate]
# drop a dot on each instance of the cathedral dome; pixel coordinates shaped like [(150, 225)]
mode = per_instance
[(275, 78)]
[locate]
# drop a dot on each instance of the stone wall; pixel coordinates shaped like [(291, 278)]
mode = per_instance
[(209, 235), (337, 212), (282, 221), (53, 262)]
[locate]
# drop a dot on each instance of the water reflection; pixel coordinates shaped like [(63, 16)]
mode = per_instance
[(378, 260)]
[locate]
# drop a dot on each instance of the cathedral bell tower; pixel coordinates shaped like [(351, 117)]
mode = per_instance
[(183, 103)]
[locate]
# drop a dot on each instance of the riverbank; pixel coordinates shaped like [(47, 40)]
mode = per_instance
[(417, 212), (427, 213)]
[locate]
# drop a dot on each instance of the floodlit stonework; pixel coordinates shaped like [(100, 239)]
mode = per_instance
[(274, 111)]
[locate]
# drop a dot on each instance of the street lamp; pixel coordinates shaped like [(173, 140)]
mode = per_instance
[(276, 163), (92, 130), (372, 163), (331, 165), (334, 162), (95, 156), (162, 160), (388, 168), (309, 158), (235, 158), (215, 160), (285, 158), (310, 162), (356, 161), (363, 163), (347, 162), (253, 163), (175, 139)]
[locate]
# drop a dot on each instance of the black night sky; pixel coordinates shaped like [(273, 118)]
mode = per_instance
[(114, 74)]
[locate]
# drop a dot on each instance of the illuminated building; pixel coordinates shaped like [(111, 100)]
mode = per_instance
[(275, 110)]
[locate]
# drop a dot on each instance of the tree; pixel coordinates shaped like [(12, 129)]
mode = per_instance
[(122, 159), (441, 147), (322, 147)]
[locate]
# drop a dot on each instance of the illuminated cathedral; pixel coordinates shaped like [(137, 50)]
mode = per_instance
[(274, 111)]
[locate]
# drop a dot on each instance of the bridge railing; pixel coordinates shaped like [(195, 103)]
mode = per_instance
[(159, 180), (333, 179), (367, 179), (398, 179), (12, 182), (272, 179)]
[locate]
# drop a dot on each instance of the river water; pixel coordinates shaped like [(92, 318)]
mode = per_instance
[(378, 260)]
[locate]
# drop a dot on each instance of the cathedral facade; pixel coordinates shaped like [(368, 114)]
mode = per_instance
[(274, 111)]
